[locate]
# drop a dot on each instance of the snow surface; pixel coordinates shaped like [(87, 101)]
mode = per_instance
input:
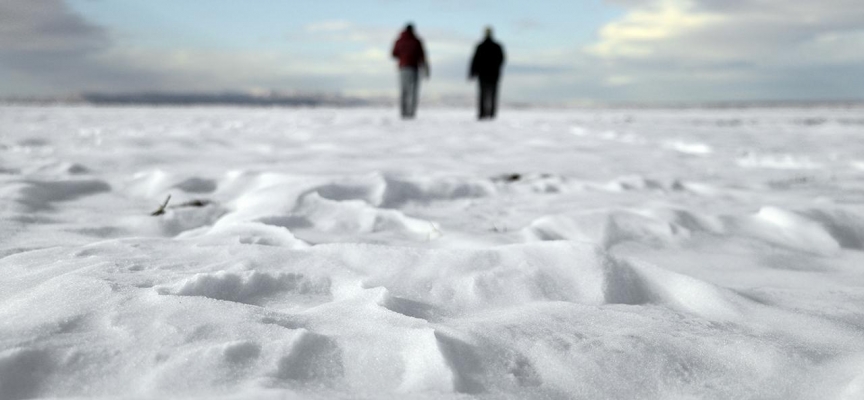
[(579, 254)]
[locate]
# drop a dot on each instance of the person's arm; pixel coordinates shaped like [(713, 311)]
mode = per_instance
[(427, 72), (396, 49), (472, 71)]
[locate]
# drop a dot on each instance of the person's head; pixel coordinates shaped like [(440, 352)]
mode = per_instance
[(409, 28), (488, 32)]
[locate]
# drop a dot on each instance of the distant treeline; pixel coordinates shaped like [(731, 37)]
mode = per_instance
[(180, 99)]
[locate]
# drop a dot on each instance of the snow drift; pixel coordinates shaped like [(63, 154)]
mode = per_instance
[(612, 254)]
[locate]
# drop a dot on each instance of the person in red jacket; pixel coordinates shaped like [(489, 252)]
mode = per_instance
[(409, 51)]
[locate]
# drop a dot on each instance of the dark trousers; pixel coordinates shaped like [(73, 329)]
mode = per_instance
[(488, 99), (409, 80)]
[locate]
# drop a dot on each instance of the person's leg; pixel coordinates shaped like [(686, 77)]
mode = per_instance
[(488, 111), (415, 90), (404, 87), (488, 99), (481, 96), (493, 98)]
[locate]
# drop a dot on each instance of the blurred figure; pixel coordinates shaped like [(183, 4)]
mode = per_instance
[(409, 51), (486, 67)]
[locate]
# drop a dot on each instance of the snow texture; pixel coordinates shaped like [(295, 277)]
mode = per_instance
[(321, 253)]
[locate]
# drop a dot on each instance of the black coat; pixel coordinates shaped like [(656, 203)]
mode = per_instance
[(487, 62)]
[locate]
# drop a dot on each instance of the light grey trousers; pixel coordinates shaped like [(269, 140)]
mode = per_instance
[(409, 80)]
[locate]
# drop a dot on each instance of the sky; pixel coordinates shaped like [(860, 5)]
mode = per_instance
[(558, 51)]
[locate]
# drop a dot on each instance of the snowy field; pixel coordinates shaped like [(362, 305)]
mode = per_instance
[(580, 254)]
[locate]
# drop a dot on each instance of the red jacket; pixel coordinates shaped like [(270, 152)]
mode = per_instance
[(409, 50)]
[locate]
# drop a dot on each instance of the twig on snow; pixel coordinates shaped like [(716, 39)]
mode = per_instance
[(161, 209)]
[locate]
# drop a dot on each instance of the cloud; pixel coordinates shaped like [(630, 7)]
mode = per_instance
[(47, 27), (47, 48), (736, 49), (753, 31), (640, 31)]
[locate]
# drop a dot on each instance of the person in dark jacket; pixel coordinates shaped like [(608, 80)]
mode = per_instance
[(486, 67), (409, 51)]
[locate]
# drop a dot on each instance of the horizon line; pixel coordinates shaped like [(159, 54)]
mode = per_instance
[(271, 98)]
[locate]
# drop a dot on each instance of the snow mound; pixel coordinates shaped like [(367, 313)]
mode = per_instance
[(252, 195), (815, 231), (687, 220), (402, 190), (387, 191), (845, 226), (607, 228), (361, 205), (62, 168), (778, 161), (197, 185), (312, 358), (9, 171), (692, 148), (791, 230), (458, 282), (638, 182), (369, 188), (351, 218), (244, 233), (23, 371), (39, 195), (150, 184), (536, 183), (158, 183), (646, 284), (175, 220), (248, 287), (624, 138)]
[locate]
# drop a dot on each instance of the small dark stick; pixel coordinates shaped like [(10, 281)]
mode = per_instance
[(161, 209), (512, 177), (194, 203)]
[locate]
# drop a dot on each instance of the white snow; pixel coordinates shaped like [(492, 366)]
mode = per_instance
[(345, 253)]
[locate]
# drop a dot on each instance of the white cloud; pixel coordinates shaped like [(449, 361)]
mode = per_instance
[(640, 30), (683, 50), (722, 31)]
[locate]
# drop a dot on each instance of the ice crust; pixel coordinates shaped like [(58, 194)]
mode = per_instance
[(573, 255)]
